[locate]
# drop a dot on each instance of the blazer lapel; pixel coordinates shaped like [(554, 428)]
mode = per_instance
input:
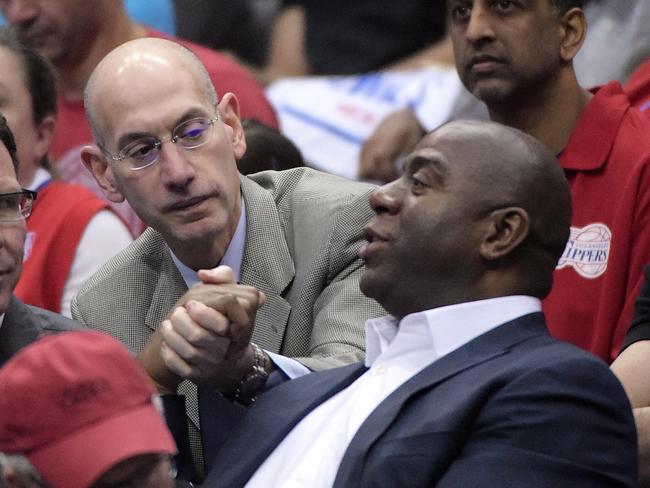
[(480, 350), (271, 418), (267, 265), (169, 288)]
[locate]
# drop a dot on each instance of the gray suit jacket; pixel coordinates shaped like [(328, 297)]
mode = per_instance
[(24, 324), (302, 237)]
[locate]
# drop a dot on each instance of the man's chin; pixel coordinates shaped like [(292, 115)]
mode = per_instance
[(371, 284), (491, 92)]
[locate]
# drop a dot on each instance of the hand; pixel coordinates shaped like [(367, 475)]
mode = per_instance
[(196, 345), (395, 136), (228, 323)]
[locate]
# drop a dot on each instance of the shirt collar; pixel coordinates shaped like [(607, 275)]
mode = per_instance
[(233, 257), (592, 138), (448, 327)]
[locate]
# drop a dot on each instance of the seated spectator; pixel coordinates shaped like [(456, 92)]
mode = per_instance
[(70, 232), (267, 148), (462, 385), (20, 324), (602, 145), (79, 409), (74, 36), (169, 146)]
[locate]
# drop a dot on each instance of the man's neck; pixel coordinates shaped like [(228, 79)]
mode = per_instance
[(549, 115), (74, 72)]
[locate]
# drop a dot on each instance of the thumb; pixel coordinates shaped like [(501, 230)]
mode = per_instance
[(217, 276)]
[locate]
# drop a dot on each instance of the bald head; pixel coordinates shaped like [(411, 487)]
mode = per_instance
[(504, 167), (141, 62)]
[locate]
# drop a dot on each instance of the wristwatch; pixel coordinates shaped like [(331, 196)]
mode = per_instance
[(252, 385)]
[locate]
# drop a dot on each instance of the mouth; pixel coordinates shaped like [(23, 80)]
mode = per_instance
[(374, 241), (186, 204), (485, 63), (35, 35)]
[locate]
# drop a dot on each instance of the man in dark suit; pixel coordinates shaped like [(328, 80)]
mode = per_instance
[(462, 384), (19, 324)]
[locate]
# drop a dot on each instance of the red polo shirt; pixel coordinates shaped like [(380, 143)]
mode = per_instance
[(607, 163)]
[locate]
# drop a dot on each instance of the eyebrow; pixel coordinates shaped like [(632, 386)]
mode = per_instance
[(129, 137), (434, 162)]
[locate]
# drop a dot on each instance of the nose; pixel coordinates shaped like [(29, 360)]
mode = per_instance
[(20, 12), (386, 199), (479, 27), (177, 170)]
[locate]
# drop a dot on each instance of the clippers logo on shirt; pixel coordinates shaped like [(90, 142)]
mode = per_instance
[(30, 237), (587, 250)]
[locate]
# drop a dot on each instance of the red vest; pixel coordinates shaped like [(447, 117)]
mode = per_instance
[(60, 215)]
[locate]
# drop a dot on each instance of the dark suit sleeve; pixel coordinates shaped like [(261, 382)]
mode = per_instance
[(640, 326), (571, 422)]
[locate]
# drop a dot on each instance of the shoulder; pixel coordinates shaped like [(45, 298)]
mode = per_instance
[(300, 185), (141, 259), (49, 321)]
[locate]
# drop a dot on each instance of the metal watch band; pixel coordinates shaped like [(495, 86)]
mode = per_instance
[(250, 387)]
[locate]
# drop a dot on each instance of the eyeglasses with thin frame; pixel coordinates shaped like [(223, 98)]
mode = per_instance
[(145, 151), (16, 206)]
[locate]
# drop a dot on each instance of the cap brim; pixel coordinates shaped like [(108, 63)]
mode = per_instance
[(78, 460)]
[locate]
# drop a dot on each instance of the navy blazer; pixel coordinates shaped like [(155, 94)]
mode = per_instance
[(513, 407)]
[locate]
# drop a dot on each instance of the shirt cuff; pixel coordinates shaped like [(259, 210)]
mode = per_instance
[(290, 367)]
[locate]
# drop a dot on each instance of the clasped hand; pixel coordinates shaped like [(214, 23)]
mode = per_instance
[(206, 336)]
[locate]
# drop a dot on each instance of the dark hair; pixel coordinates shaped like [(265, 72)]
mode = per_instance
[(7, 138), (39, 78), (39, 75), (563, 6), (266, 148)]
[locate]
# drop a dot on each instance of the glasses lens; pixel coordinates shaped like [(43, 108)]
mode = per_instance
[(26, 203), (193, 133), (142, 152), (11, 206)]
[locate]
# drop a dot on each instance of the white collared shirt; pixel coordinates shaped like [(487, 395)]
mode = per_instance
[(309, 456)]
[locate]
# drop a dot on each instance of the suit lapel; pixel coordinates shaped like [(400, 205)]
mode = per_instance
[(169, 288), (18, 329), (484, 348), (267, 264), (270, 419)]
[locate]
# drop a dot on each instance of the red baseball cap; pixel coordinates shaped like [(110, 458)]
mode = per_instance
[(76, 404)]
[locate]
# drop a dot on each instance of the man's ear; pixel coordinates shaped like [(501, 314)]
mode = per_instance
[(95, 162), (573, 32), (44, 131), (228, 109), (506, 230)]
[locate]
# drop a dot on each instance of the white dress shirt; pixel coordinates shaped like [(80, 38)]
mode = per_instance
[(309, 456)]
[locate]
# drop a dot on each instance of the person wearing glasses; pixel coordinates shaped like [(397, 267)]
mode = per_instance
[(71, 232), (168, 146), (20, 324)]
